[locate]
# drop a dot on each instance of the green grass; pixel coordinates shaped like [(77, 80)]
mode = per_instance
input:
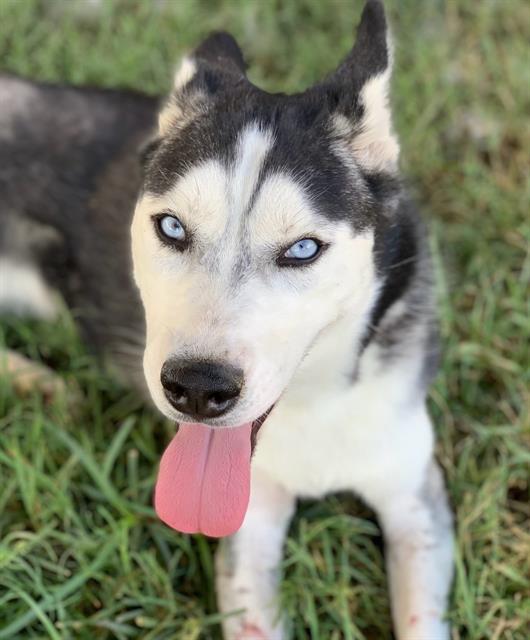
[(81, 553)]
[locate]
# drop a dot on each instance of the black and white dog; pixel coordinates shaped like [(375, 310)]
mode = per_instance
[(288, 301)]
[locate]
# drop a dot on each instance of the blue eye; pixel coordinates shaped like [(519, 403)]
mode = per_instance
[(303, 251), (171, 228)]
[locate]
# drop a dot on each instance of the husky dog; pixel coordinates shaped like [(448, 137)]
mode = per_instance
[(289, 317)]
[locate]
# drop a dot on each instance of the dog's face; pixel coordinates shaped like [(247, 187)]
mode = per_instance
[(256, 229)]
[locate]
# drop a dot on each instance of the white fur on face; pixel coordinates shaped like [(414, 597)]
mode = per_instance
[(225, 298)]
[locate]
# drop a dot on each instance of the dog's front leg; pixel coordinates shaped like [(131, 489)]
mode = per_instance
[(247, 565), (419, 551)]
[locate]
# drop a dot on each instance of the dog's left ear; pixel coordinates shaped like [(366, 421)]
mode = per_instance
[(216, 63), (358, 94), (147, 150)]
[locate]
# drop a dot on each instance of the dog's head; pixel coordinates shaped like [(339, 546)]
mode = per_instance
[(255, 230)]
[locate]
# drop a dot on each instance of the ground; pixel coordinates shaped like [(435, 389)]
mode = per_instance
[(81, 552)]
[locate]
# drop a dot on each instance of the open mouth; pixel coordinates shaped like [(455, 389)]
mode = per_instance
[(256, 426), (203, 483)]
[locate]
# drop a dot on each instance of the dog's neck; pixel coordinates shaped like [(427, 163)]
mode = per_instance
[(333, 359)]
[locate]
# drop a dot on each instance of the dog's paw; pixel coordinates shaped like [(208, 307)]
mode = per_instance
[(245, 630), (28, 376), (251, 632)]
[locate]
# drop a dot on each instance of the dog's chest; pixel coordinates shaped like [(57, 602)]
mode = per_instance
[(352, 437)]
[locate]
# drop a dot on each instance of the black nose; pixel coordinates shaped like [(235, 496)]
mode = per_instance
[(201, 389)]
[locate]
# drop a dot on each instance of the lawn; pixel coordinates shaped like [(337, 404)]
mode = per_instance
[(81, 553)]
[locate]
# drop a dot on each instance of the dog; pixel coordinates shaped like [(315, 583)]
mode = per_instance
[(283, 303)]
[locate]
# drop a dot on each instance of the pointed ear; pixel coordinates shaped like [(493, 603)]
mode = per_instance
[(216, 62), (221, 50), (361, 86)]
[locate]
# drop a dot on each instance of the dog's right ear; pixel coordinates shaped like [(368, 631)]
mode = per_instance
[(216, 62)]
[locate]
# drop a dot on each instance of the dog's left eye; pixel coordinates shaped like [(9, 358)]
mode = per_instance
[(301, 252), (170, 228)]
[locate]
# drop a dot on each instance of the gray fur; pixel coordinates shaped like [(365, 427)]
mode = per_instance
[(70, 174)]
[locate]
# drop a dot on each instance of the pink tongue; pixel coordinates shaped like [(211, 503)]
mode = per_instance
[(203, 482)]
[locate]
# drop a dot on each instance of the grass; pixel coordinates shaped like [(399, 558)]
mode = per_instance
[(81, 553)]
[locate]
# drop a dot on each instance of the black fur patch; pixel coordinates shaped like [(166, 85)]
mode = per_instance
[(221, 50)]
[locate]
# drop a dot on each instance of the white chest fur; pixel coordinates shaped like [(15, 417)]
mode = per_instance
[(329, 433)]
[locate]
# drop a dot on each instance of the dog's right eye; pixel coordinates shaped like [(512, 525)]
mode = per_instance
[(170, 229)]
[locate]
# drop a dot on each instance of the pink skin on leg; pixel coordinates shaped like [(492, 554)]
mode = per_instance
[(251, 632)]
